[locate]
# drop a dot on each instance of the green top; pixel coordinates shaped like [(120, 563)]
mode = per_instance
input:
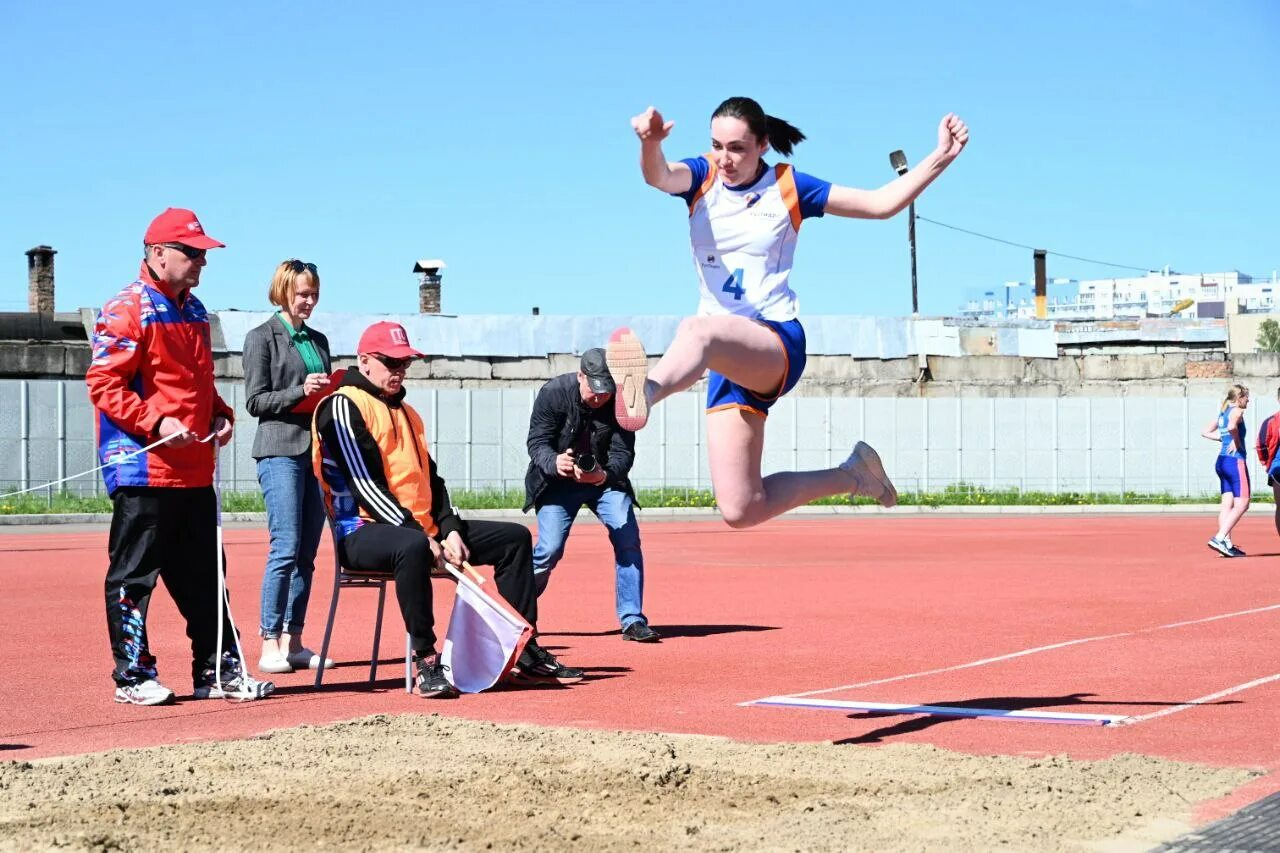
[(306, 349)]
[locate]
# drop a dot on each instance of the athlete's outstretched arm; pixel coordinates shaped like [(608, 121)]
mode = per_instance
[(668, 177), (891, 198)]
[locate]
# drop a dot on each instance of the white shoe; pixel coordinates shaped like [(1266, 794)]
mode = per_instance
[(630, 370), (149, 692), (1231, 546), (235, 683), (274, 664), (1220, 546), (869, 478), (304, 658)]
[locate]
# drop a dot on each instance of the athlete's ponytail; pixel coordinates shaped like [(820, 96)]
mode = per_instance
[(782, 136), (1234, 393)]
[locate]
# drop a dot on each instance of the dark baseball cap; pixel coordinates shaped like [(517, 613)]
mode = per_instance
[(596, 369)]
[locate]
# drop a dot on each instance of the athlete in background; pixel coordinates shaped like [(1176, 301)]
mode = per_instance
[(1233, 472)]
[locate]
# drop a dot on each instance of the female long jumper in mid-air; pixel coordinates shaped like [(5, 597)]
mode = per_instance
[(744, 217)]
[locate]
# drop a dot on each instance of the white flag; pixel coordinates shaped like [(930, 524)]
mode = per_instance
[(484, 639)]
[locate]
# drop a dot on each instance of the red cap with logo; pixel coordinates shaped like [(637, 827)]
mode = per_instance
[(389, 339), (179, 225)]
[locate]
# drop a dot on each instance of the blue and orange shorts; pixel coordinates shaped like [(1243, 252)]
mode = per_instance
[(723, 394)]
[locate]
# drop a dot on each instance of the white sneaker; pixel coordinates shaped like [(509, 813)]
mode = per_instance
[(869, 478), (1221, 547), (274, 664), (630, 370), (149, 692), (304, 658), (235, 683)]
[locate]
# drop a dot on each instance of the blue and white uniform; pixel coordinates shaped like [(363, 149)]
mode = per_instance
[(1231, 467), (743, 240)]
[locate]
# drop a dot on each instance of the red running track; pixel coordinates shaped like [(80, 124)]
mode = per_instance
[(798, 606)]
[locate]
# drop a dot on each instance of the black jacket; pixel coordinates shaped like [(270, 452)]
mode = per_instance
[(558, 414)]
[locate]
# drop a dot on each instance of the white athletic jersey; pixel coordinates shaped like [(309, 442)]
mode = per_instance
[(744, 239)]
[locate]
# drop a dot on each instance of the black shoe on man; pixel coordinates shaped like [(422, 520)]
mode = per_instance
[(640, 632), (430, 681), (536, 664)]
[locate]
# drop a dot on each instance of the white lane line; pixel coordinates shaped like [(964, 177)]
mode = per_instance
[(1192, 703), (1212, 618), (1037, 650)]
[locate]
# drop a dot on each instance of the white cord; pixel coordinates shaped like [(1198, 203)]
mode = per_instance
[(224, 600), (115, 460)]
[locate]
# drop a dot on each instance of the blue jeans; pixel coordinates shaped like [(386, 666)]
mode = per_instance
[(557, 508), (295, 520)]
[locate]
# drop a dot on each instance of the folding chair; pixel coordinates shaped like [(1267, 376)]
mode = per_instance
[(343, 579)]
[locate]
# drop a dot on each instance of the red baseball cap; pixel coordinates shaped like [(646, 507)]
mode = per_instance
[(389, 339), (179, 225)]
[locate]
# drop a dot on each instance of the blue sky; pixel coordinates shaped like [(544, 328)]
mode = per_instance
[(495, 136)]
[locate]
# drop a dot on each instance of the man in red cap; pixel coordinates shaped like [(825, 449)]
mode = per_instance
[(151, 378), (391, 509)]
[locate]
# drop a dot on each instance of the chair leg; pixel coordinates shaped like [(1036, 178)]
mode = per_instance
[(377, 633), (408, 668), (328, 632)]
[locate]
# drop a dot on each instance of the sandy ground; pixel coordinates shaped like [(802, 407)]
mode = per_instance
[(425, 781)]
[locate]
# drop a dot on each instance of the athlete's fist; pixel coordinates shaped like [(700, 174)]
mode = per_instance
[(953, 135), (650, 127)]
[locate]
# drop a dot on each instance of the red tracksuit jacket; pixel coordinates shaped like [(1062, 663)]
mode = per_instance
[(152, 359)]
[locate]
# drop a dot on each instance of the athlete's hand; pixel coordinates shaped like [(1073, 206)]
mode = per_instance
[(173, 427), (564, 464), (222, 430), (953, 135), (455, 550), (650, 127)]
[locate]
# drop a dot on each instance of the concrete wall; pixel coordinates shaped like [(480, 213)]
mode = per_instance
[(1117, 441), (1117, 371)]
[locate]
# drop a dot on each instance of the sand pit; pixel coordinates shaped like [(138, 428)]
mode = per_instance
[(425, 781)]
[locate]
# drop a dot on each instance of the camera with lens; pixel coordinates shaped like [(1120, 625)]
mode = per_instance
[(586, 462)]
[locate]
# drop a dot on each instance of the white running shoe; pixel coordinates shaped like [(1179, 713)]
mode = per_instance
[(149, 692), (1231, 546), (1221, 547), (629, 368), (869, 478), (235, 684), (304, 658)]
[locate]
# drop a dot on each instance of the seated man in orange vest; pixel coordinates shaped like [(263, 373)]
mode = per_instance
[(392, 511)]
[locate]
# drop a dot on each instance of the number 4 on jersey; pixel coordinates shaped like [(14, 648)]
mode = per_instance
[(733, 284)]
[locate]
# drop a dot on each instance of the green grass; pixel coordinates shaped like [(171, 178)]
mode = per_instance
[(962, 494)]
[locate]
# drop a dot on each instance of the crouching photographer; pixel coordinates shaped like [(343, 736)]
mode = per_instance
[(579, 456)]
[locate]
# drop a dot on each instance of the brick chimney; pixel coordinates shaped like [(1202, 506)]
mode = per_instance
[(429, 289), (40, 279)]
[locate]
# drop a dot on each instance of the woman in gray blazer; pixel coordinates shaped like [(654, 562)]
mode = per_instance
[(285, 360)]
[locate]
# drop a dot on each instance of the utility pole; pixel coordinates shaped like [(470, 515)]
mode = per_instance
[(898, 161)]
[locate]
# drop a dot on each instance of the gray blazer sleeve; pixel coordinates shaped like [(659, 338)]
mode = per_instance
[(273, 377), (262, 395)]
